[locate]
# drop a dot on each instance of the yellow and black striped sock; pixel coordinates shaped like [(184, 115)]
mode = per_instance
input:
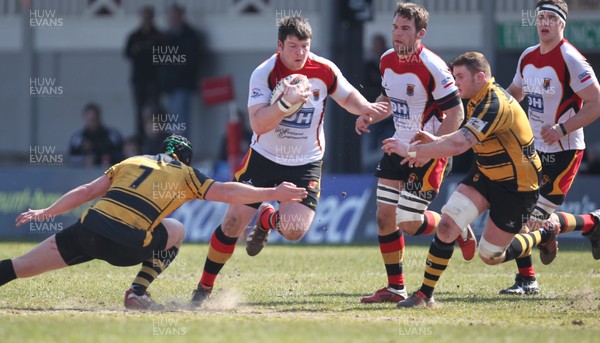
[(220, 250), (439, 256), (392, 251), (430, 222), (522, 244), (151, 268)]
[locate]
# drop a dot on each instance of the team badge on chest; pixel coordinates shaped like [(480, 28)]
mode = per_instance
[(546, 83), (410, 89), (316, 93)]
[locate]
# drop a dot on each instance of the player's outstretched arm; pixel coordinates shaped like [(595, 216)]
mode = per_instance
[(239, 193), (449, 145), (356, 103), (70, 200)]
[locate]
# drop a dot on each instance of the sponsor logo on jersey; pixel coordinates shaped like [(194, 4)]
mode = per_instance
[(476, 124), (447, 82), (256, 93), (400, 108), (535, 102), (410, 89), (301, 120), (584, 76), (412, 178)]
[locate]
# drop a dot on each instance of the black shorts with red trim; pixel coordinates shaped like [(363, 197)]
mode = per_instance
[(259, 171), (558, 172), (423, 182)]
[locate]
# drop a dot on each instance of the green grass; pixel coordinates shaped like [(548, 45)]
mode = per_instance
[(305, 294)]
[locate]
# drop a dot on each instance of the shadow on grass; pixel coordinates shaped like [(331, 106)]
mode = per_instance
[(343, 295)]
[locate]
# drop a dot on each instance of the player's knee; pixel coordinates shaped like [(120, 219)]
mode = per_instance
[(410, 227), (490, 253), (386, 222), (174, 228), (231, 226), (446, 230), (461, 209), (293, 230)]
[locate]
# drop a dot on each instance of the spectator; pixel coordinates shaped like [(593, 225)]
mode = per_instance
[(155, 130), (95, 144), (180, 75), (140, 48), (131, 147)]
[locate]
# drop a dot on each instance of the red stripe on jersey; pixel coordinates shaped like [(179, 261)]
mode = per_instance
[(312, 69), (319, 126), (574, 102), (585, 78), (448, 84)]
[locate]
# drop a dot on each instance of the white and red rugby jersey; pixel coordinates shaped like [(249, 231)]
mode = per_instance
[(420, 88), (298, 139), (550, 82)]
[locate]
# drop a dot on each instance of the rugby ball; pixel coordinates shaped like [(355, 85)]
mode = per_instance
[(277, 93)]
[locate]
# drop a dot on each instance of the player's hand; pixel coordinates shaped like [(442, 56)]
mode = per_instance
[(416, 162), (31, 215), (423, 137), (395, 146), (296, 93), (362, 124), (288, 191), (551, 134), (380, 109)]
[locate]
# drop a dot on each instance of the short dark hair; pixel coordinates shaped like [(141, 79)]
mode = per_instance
[(179, 147), (92, 107), (410, 11), (475, 62), (558, 3), (295, 26)]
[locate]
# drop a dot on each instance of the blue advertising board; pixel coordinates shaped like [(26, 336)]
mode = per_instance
[(345, 213)]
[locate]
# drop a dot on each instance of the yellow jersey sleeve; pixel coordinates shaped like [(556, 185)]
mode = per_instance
[(198, 183)]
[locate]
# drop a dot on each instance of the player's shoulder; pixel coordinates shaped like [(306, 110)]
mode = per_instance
[(570, 52), (267, 65), (322, 62), (430, 57), (432, 61), (529, 52)]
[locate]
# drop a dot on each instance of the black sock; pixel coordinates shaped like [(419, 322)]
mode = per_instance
[(7, 272)]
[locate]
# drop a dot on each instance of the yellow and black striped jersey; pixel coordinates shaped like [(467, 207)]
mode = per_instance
[(505, 152), (144, 190)]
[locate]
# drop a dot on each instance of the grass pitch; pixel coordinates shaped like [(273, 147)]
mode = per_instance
[(304, 294)]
